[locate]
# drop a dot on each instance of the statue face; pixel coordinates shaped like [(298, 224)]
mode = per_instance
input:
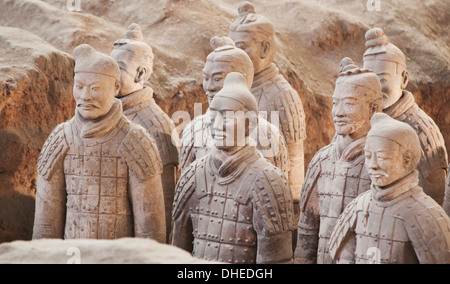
[(214, 75), (384, 161), (227, 128), (254, 48), (94, 94), (128, 72), (351, 113), (391, 81)]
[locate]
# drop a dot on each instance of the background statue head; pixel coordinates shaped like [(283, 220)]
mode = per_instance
[(96, 82), (255, 35), (135, 59), (233, 111), (356, 98), (389, 63), (225, 58), (392, 150)]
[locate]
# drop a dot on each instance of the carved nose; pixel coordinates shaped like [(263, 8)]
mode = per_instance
[(371, 163), (338, 109), (85, 94)]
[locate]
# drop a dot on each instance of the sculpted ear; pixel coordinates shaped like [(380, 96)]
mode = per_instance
[(140, 74), (407, 160), (405, 81), (265, 48), (117, 87)]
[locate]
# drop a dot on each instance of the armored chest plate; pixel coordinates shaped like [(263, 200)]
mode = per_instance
[(339, 183), (224, 228), (382, 238), (98, 206)]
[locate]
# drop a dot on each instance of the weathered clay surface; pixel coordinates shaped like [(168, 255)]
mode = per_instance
[(121, 251), (395, 221), (35, 94), (308, 56)]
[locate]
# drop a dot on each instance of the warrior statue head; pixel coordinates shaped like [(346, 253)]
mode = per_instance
[(96, 82), (392, 150), (255, 35), (225, 58), (389, 63), (135, 59), (234, 111), (356, 98)]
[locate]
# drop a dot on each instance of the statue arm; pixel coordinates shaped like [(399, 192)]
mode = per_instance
[(309, 220), (168, 178), (275, 249), (446, 205), (342, 243), (182, 231), (50, 215), (273, 217), (147, 201), (297, 169), (308, 231), (51, 196), (187, 152), (434, 185), (182, 222)]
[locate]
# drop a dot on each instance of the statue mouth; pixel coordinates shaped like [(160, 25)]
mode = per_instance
[(341, 122), (87, 106), (377, 174)]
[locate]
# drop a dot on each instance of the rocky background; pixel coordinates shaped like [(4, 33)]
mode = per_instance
[(37, 38)]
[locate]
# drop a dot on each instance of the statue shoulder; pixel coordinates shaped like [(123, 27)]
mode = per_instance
[(194, 135), (312, 175), (291, 113), (185, 188), (140, 152), (434, 152), (161, 127), (428, 229), (271, 143), (272, 200), (53, 151), (347, 222)]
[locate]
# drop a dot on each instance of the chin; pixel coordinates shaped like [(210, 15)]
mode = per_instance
[(344, 130), (89, 115), (379, 182)]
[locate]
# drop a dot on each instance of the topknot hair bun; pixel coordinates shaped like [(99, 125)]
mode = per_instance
[(134, 32), (375, 37), (246, 8), (346, 65), (218, 42)]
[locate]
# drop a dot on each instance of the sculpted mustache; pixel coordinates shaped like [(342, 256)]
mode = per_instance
[(86, 104), (373, 172)]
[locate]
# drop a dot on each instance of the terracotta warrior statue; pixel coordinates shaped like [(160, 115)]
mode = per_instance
[(255, 35), (135, 60), (395, 221), (447, 195), (336, 174), (233, 205), (99, 174), (197, 141), (389, 63)]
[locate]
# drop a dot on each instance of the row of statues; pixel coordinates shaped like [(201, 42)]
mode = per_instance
[(373, 195)]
